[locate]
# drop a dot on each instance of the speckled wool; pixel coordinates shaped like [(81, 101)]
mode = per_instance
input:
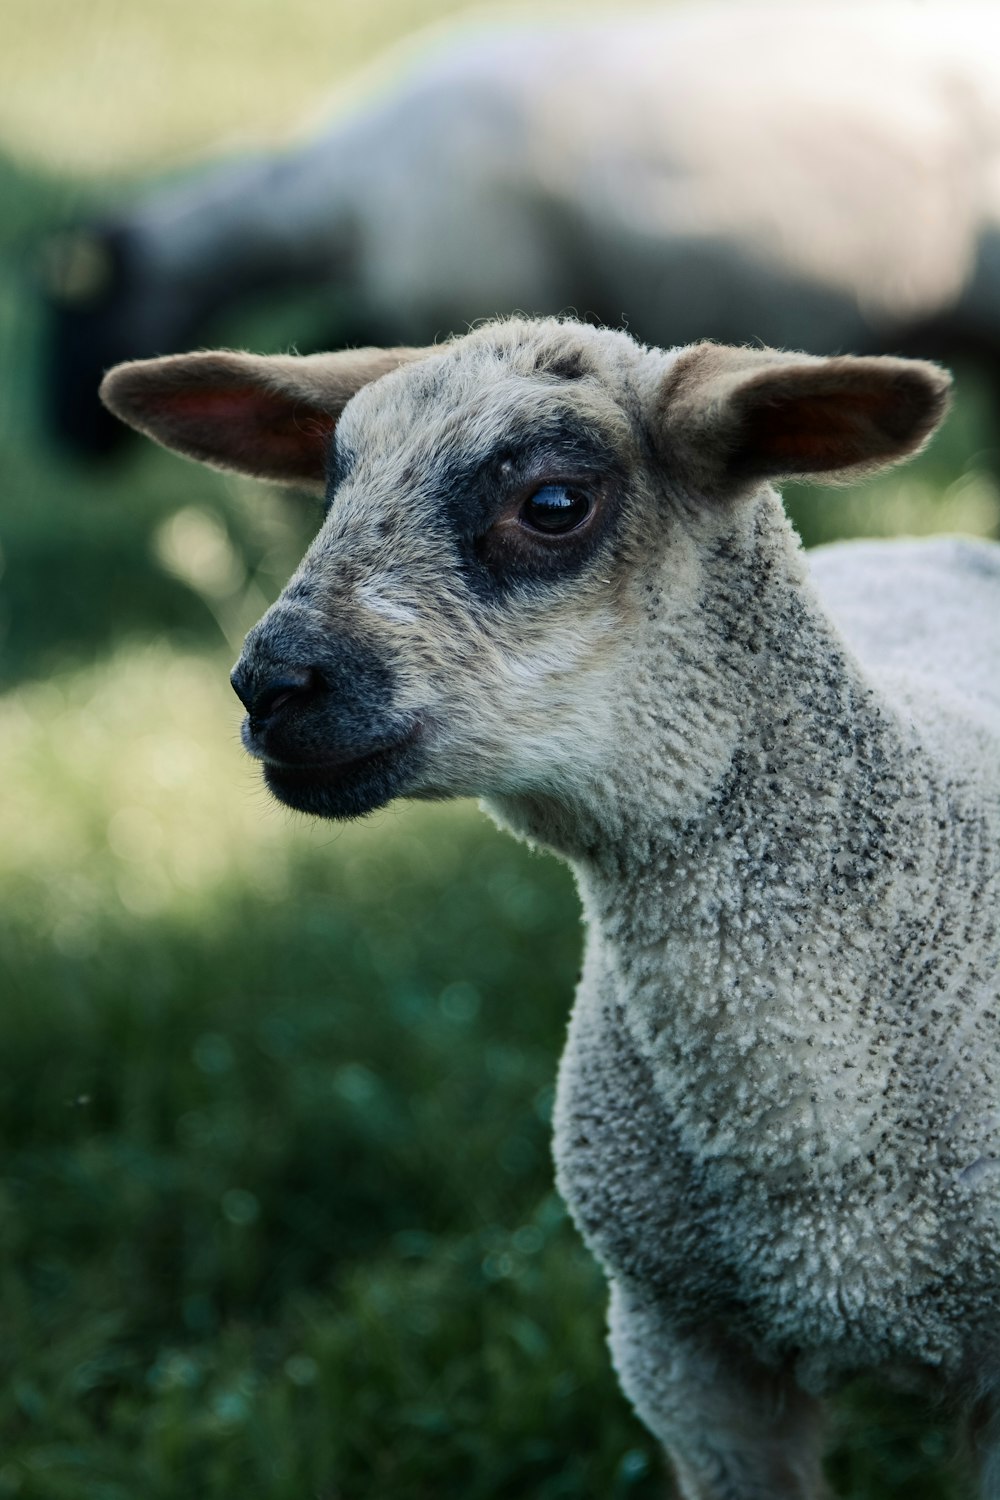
[(777, 782), (778, 1118)]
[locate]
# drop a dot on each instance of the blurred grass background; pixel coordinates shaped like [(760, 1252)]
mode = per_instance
[(276, 1213)]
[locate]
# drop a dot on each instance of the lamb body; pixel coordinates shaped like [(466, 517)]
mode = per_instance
[(778, 787), (811, 176), (797, 1141)]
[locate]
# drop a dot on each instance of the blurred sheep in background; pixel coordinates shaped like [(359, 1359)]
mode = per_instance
[(825, 178)]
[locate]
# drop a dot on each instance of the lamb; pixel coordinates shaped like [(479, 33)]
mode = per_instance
[(554, 574), (821, 177)]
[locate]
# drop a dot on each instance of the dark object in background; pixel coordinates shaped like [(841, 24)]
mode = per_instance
[(819, 178), (99, 306)]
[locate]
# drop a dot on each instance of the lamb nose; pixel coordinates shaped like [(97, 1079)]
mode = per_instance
[(264, 697)]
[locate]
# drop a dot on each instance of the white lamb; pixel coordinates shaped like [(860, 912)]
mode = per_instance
[(554, 573)]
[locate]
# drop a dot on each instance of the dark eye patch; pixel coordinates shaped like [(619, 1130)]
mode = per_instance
[(462, 496), (497, 558), (473, 491)]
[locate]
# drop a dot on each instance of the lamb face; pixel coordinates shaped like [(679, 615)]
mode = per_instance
[(512, 523), (474, 591), (478, 586)]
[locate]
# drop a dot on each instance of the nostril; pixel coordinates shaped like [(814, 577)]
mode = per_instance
[(242, 685), (271, 696)]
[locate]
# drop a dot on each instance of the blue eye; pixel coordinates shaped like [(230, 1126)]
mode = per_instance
[(556, 508)]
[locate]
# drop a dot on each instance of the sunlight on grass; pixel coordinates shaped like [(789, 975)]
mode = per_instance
[(132, 789), (107, 86)]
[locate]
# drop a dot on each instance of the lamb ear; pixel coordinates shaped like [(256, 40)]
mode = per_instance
[(266, 415), (730, 418)]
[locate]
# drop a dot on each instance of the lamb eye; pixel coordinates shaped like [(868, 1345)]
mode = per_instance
[(555, 508)]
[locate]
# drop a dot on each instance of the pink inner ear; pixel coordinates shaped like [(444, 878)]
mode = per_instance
[(250, 428)]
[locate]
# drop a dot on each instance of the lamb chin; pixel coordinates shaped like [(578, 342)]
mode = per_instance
[(348, 790)]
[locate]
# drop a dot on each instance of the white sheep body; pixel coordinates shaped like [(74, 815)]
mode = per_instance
[(806, 1080), (619, 159)]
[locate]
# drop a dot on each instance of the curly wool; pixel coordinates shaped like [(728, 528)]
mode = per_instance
[(778, 1105)]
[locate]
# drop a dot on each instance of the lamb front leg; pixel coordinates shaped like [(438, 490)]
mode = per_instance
[(733, 1428)]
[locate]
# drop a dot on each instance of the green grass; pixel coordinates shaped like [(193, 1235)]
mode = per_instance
[(278, 1213), (276, 1205)]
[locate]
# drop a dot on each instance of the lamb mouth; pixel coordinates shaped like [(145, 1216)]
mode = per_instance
[(346, 788)]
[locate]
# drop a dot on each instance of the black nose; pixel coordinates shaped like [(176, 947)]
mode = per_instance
[(264, 694)]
